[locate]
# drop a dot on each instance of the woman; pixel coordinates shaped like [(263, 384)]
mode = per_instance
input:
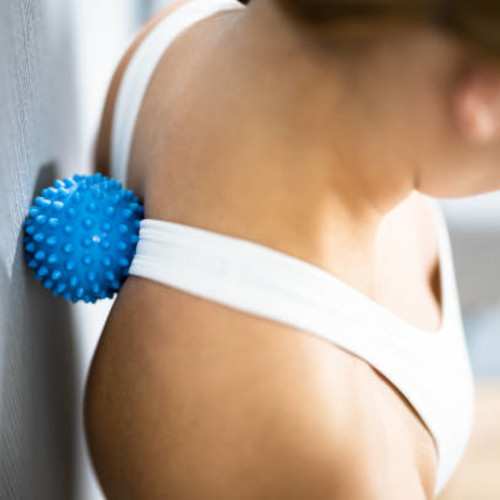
[(291, 327)]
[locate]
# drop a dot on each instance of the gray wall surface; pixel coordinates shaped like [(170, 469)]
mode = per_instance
[(37, 355), (56, 60)]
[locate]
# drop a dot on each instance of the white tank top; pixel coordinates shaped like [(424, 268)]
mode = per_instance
[(430, 368)]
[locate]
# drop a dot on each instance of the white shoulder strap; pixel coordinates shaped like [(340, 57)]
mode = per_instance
[(140, 70)]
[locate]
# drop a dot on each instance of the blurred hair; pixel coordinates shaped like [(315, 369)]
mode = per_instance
[(476, 22)]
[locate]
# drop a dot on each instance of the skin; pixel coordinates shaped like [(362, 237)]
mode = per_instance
[(319, 144)]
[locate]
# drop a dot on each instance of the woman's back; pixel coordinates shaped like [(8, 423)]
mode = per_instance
[(188, 398)]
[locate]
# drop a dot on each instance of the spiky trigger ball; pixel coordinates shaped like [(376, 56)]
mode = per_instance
[(81, 236)]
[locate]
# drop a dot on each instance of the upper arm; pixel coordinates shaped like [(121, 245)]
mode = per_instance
[(103, 142), (209, 405)]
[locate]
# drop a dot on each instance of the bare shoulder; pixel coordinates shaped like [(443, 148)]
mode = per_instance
[(102, 146), (188, 399)]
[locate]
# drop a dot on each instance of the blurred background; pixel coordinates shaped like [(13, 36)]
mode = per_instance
[(56, 62)]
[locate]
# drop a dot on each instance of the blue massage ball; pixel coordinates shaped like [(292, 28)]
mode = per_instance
[(81, 236)]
